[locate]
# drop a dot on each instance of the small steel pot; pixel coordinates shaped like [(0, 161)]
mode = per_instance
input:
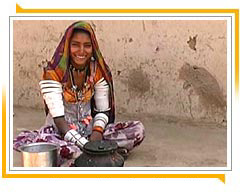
[(39, 154), (100, 154)]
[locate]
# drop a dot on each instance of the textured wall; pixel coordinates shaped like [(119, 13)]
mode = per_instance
[(173, 68)]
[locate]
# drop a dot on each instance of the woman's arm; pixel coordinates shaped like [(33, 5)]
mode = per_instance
[(60, 122), (101, 119), (53, 97)]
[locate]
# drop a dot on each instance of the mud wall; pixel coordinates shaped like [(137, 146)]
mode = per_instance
[(168, 68)]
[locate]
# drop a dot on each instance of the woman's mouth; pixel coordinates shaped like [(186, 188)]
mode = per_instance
[(80, 57)]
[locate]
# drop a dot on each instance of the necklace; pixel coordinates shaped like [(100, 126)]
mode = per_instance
[(75, 88), (77, 69)]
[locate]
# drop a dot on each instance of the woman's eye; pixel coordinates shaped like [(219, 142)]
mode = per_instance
[(88, 46), (74, 44)]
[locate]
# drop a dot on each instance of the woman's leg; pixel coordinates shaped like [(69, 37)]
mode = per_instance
[(67, 152), (126, 134)]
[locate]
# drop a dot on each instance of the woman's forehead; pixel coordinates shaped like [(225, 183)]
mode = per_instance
[(80, 36)]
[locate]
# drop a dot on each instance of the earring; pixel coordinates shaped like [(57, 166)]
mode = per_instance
[(92, 58)]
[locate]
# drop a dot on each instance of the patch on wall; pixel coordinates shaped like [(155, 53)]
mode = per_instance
[(138, 82), (192, 42), (204, 84)]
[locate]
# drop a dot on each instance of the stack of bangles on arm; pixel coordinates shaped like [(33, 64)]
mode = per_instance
[(100, 122), (101, 97), (74, 137)]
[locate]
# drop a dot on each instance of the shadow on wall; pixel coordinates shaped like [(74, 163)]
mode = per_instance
[(199, 81)]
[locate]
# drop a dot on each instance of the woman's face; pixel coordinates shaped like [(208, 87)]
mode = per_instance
[(80, 49)]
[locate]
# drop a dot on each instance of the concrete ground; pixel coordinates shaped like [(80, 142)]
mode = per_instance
[(169, 142)]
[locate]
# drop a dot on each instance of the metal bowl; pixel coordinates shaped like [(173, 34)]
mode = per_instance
[(39, 154)]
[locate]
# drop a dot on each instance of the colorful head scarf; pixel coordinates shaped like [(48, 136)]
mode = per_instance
[(60, 60)]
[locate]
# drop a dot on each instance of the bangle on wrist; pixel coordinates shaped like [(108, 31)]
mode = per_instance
[(98, 128)]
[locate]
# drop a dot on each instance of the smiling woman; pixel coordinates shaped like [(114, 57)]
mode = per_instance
[(78, 93), (80, 49)]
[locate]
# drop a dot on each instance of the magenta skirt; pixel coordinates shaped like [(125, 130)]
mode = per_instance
[(127, 135)]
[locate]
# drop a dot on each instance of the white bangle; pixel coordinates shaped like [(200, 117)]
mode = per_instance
[(52, 94), (101, 120), (74, 137), (101, 96), (55, 104)]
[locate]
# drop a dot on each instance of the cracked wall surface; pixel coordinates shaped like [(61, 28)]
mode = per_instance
[(161, 67)]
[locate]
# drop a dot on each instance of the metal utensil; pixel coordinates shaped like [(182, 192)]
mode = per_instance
[(39, 154)]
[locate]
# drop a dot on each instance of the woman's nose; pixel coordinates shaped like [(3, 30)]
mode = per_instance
[(81, 49)]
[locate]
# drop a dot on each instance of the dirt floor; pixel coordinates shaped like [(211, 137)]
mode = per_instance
[(169, 142)]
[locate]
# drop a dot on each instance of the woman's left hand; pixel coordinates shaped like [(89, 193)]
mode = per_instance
[(96, 135)]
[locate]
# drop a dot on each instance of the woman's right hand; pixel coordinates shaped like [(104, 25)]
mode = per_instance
[(96, 135)]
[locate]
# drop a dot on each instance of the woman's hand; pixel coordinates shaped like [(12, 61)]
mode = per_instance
[(96, 135)]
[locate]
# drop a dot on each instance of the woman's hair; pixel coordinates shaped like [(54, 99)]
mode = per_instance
[(80, 30)]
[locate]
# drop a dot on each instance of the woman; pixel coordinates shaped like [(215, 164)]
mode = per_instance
[(77, 89)]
